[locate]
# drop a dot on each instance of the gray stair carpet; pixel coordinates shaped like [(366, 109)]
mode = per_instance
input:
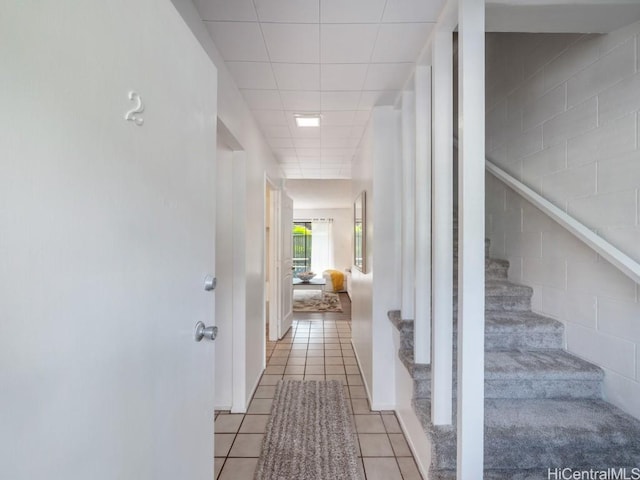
[(543, 406)]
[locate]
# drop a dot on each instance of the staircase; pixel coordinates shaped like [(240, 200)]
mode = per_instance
[(543, 406)]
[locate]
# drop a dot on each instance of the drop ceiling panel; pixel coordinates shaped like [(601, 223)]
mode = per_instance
[(340, 100), (412, 11), (288, 11), (262, 99), (306, 142), (292, 42), (350, 43), (270, 117), (352, 11), (334, 132), (236, 11), (370, 99), (280, 142), (275, 131), (343, 76), (301, 101), (238, 41), (297, 76), (336, 118), (361, 117), (254, 75), (400, 42), (387, 76), (314, 153), (339, 142)]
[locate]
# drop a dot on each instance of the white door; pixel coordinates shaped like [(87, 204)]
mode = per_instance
[(106, 235), (286, 263)]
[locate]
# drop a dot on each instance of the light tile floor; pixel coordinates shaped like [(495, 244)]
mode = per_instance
[(314, 349)]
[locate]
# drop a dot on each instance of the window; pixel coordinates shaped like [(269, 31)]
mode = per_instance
[(301, 247)]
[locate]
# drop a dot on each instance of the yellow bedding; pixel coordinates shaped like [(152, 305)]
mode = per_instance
[(337, 279)]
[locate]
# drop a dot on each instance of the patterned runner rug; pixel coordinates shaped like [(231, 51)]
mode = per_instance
[(310, 435), (316, 301)]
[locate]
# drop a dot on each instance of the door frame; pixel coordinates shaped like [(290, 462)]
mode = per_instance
[(272, 258)]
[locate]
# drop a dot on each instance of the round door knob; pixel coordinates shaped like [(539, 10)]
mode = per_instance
[(205, 332)]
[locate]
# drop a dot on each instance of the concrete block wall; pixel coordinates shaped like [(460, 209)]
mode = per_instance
[(563, 117)]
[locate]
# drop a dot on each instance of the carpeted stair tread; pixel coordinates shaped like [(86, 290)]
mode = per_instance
[(553, 364), (539, 433)]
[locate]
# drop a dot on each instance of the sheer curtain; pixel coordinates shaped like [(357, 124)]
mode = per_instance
[(321, 245)]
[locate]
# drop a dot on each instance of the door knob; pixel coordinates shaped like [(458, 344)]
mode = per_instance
[(205, 332)]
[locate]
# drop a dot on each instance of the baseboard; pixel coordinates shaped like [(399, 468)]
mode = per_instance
[(364, 380), (242, 408)]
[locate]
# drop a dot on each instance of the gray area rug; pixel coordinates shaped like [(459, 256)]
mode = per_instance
[(310, 435), (316, 301)]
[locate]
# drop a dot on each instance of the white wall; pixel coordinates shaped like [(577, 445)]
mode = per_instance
[(234, 113), (342, 232), (377, 291), (562, 116)]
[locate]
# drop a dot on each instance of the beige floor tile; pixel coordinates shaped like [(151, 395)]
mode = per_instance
[(332, 346), (298, 353), (314, 377), (357, 392), (293, 377), (381, 469), (349, 360), (238, 469), (296, 361), (400, 445), (314, 370), (391, 423), (254, 424), (247, 445), (355, 380), (334, 361), (265, 391), (352, 369), (280, 353), (277, 361), (375, 445), (360, 405), (369, 423), (228, 423), (274, 370), (260, 405), (294, 370), (217, 464), (315, 361), (409, 469), (335, 369), (270, 379), (341, 378), (332, 353), (315, 353), (222, 443)]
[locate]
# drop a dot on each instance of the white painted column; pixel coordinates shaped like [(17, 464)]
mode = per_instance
[(471, 150), (422, 321), (442, 242), (408, 129)]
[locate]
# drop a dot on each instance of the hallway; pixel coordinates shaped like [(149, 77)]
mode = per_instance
[(318, 347)]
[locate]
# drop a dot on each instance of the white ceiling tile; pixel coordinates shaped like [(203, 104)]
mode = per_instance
[(305, 132), (345, 153), (354, 141), (270, 117), (288, 11), (299, 101), (238, 41), (275, 131), (262, 99), (357, 131), (412, 10), (342, 76), (352, 43), (335, 132), (297, 76), (340, 100), (387, 76), (256, 75), (370, 99), (308, 152), (401, 42), (337, 142), (292, 42), (329, 172), (337, 118), (307, 142), (289, 161), (352, 11), (361, 117), (237, 11), (333, 160), (285, 153), (280, 142)]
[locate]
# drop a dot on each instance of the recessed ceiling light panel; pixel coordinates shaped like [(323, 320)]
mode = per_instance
[(307, 120)]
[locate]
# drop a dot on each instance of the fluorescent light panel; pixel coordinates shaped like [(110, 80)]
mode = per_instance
[(307, 120)]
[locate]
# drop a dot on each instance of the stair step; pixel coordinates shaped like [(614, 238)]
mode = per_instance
[(522, 374), (538, 434), (503, 296), (495, 269)]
